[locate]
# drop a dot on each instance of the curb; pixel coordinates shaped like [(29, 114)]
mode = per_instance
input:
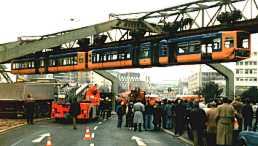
[(20, 125), (180, 137)]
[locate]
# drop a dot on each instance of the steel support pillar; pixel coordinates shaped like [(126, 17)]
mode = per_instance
[(114, 81), (5, 74), (229, 75)]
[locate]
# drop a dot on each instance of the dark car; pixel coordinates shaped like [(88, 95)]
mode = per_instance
[(248, 138)]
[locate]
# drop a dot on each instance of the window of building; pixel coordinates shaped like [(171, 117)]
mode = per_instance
[(237, 71), (241, 63), (246, 71), (255, 53), (250, 62), (255, 79), (241, 79), (255, 62), (246, 79), (237, 79), (237, 63), (246, 62), (241, 71)]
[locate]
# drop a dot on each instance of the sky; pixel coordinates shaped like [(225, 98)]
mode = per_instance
[(41, 17)]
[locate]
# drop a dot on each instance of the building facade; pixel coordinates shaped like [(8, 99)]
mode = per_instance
[(246, 74), (199, 79)]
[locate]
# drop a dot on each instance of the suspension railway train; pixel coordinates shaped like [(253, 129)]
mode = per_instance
[(225, 46)]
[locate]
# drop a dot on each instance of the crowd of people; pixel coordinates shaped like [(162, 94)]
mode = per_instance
[(217, 125)]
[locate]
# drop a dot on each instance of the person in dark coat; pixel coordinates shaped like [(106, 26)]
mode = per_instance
[(120, 114), (149, 111), (75, 110), (197, 122), (180, 112), (247, 113), (129, 115), (29, 107), (256, 119), (157, 116), (164, 113)]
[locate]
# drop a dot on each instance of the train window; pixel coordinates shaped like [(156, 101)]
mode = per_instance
[(128, 55), (145, 53), (163, 51), (245, 43), (97, 58), (75, 60), (209, 48), (122, 56), (229, 42), (203, 48), (41, 62), (104, 57), (182, 48), (52, 62), (114, 56), (216, 44), (194, 47)]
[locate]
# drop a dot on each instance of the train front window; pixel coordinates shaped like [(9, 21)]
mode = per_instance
[(229, 42), (242, 40)]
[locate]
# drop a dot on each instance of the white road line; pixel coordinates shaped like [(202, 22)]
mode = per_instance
[(99, 123), (92, 135), (95, 128), (138, 141), (17, 142), (92, 144)]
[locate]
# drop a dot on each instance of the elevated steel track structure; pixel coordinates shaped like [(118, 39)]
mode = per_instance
[(183, 20)]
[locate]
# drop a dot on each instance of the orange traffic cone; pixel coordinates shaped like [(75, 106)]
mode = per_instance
[(87, 135), (49, 142)]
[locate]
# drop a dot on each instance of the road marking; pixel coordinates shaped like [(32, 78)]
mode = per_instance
[(92, 135), (138, 141), (95, 128), (99, 123), (17, 142), (92, 144), (41, 137)]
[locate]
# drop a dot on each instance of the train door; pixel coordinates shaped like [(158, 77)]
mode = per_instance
[(155, 53), (172, 53), (163, 53), (145, 58), (206, 51), (135, 55)]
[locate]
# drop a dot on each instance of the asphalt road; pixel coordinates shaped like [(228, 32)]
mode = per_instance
[(105, 134)]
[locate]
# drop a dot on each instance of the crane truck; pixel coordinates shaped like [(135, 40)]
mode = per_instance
[(87, 95)]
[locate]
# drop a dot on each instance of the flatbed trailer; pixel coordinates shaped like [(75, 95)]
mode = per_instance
[(13, 96)]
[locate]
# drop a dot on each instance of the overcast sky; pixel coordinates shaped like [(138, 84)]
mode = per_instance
[(41, 17)]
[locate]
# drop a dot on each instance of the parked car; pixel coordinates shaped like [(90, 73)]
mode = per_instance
[(248, 138)]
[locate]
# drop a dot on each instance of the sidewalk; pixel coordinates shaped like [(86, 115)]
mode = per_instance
[(183, 138), (7, 124)]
